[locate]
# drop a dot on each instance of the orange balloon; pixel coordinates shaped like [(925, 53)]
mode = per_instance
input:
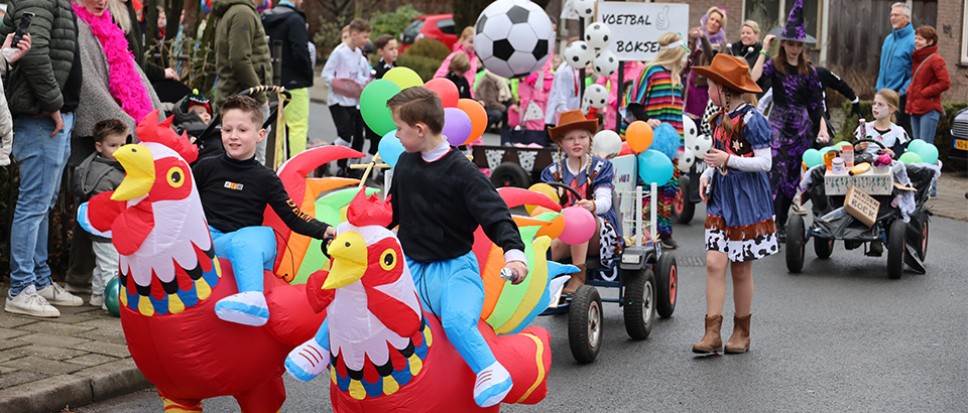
[(639, 136), (478, 115), (626, 150), (447, 91), (537, 210), (552, 229)]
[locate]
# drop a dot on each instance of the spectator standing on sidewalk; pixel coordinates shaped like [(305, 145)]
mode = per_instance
[(929, 79), (44, 92), (287, 24), (345, 76), (242, 56), (11, 53), (895, 69)]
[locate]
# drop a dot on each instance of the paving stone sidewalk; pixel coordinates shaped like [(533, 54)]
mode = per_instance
[(76, 359)]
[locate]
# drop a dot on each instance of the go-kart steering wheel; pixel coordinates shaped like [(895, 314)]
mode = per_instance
[(567, 188), (869, 140)]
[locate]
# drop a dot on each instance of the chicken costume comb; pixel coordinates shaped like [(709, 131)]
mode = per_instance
[(370, 210), (149, 130)]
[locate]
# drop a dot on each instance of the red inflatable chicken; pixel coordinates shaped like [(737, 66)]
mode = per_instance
[(171, 279), (382, 351)]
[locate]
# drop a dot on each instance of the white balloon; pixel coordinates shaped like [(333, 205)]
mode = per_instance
[(585, 107), (702, 144), (597, 35), (596, 95), (606, 63), (686, 160), (585, 8), (606, 144), (689, 128), (513, 38), (578, 55)]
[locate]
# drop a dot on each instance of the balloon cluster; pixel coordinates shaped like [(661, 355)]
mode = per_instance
[(592, 50), (465, 120)]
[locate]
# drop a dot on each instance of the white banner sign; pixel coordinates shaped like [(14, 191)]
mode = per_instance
[(636, 27)]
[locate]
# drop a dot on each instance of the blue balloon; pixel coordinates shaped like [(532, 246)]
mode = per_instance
[(813, 157), (666, 139), (928, 152), (916, 145), (390, 148), (654, 167)]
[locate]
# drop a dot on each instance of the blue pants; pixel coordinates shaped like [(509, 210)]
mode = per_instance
[(42, 159), (924, 126), (454, 291), (252, 250)]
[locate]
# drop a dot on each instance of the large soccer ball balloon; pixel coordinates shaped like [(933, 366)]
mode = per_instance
[(597, 96), (585, 8), (605, 63), (578, 55), (596, 35), (513, 37), (686, 159), (689, 129)]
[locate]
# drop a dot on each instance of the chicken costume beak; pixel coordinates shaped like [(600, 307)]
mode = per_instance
[(349, 255), (139, 167)]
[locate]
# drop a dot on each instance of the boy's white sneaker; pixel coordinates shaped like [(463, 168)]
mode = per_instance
[(248, 308), (492, 385), (57, 295), (341, 142), (97, 300), (30, 303)]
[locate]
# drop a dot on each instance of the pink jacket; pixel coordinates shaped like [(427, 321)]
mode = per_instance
[(632, 71), (471, 75)]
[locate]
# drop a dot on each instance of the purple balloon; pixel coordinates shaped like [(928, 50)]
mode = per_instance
[(457, 126)]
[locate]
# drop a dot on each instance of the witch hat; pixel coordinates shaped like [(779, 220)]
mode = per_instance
[(796, 29)]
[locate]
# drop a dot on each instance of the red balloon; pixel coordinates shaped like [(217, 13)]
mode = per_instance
[(626, 149), (447, 91)]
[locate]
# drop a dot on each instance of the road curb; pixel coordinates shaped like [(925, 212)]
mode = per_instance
[(87, 386)]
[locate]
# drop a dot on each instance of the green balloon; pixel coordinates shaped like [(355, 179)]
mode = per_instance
[(909, 157), (373, 105), (812, 157), (916, 145), (927, 151), (112, 297)]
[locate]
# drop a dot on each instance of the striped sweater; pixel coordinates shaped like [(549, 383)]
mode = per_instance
[(659, 96)]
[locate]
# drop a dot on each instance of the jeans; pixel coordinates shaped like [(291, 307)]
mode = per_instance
[(925, 126), (42, 159)]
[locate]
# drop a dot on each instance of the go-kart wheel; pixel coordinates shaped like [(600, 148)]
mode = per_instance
[(895, 249), (682, 208), (585, 324), (510, 174), (823, 247), (795, 240), (667, 285), (639, 306)]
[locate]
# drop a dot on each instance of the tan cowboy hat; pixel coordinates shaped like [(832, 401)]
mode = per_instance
[(570, 120), (729, 71)]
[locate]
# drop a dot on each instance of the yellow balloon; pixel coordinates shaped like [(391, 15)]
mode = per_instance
[(542, 188), (404, 77)]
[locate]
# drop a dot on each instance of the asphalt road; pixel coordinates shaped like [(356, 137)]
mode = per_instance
[(840, 337)]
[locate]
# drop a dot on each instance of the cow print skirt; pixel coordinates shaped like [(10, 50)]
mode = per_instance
[(741, 244), (610, 245)]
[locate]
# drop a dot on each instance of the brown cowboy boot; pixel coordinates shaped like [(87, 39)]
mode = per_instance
[(739, 342), (711, 342), (577, 280)]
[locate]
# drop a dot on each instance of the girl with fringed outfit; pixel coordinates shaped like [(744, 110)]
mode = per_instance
[(740, 224)]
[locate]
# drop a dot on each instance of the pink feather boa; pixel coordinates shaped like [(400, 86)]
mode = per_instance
[(123, 78)]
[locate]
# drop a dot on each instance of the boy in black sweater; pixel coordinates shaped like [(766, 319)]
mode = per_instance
[(439, 198), (235, 189)]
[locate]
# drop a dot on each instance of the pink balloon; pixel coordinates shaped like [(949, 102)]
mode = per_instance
[(447, 90), (579, 225), (457, 126)]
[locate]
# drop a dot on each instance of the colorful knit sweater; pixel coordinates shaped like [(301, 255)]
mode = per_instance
[(658, 95)]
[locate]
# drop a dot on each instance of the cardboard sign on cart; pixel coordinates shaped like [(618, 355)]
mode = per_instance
[(878, 181), (861, 206)]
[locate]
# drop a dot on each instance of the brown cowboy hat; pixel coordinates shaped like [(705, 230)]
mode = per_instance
[(729, 71), (570, 120)]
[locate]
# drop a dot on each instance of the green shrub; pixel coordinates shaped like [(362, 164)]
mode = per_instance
[(942, 138), (424, 57), (393, 22)]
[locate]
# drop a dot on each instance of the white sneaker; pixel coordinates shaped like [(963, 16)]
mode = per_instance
[(492, 385), (247, 308), (307, 361), (56, 295), (97, 300), (341, 142), (30, 303)]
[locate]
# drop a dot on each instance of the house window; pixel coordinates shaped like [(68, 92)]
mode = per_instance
[(773, 14)]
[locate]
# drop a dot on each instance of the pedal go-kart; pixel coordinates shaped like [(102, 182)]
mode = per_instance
[(905, 242), (646, 278)]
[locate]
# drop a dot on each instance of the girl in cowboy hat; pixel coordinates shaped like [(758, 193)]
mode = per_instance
[(591, 176), (739, 211), (797, 115)]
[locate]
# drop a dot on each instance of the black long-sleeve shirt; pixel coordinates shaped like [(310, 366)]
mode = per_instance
[(439, 205), (235, 194)]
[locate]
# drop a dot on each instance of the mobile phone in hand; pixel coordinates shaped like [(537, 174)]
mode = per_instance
[(25, 21)]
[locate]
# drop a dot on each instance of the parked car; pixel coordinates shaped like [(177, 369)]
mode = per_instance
[(959, 136), (434, 26)]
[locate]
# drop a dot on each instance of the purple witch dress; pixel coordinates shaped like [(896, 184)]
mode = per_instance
[(797, 106)]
